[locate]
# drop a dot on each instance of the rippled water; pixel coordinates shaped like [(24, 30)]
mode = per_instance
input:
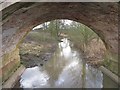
[(65, 70)]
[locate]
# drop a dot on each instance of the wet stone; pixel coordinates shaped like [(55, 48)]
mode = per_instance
[(41, 64)]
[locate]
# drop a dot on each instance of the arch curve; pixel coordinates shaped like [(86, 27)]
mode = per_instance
[(100, 17)]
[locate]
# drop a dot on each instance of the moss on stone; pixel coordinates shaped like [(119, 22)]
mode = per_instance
[(111, 62), (9, 71), (10, 63)]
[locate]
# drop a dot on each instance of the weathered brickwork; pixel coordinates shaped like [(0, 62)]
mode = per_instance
[(20, 18)]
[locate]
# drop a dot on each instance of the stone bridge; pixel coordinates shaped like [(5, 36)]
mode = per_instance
[(19, 18)]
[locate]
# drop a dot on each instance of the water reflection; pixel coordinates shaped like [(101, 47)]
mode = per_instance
[(34, 78), (65, 48), (65, 70)]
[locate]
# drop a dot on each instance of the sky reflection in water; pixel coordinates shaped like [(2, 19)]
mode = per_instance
[(73, 74)]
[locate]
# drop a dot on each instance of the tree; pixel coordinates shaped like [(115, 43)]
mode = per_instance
[(54, 27)]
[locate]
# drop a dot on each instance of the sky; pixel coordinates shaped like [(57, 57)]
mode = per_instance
[(66, 22)]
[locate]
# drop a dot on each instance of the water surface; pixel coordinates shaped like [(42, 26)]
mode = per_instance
[(66, 69)]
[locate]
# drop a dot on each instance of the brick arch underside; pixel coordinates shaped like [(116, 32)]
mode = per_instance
[(20, 18)]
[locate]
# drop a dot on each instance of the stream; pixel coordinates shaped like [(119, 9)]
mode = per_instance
[(66, 69)]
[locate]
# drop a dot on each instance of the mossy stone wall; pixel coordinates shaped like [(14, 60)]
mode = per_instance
[(10, 63)]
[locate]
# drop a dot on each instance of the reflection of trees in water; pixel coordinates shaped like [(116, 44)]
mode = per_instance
[(91, 77), (70, 72), (83, 74), (55, 67), (94, 77)]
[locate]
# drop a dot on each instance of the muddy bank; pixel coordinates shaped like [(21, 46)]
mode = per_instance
[(34, 54)]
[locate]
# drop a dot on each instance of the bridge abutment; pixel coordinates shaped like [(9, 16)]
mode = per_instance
[(10, 63)]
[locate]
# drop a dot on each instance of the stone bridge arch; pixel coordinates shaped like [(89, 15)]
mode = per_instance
[(19, 18)]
